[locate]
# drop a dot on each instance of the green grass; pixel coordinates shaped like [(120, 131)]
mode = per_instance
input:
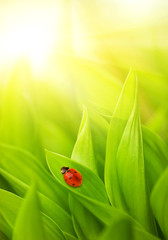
[(124, 166)]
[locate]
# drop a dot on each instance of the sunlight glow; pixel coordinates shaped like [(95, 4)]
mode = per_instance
[(40, 31), (30, 35), (137, 10)]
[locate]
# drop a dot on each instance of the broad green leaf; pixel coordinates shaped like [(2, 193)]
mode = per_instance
[(124, 167), (105, 213), (19, 126), (53, 232), (69, 236), (3, 236), (159, 202), (23, 165), (155, 154), (140, 234), (48, 207), (117, 126), (124, 229), (18, 187), (92, 185), (94, 198), (83, 153), (120, 230), (89, 197), (110, 215), (29, 223), (83, 149), (86, 224), (99, 129), (4, 184), (5, 228), (10, 212), (84, 194)]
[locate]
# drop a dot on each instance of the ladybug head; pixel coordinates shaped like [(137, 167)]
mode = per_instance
[(64, 169)]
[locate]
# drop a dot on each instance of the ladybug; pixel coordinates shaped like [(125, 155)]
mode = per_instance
[(72, 176)]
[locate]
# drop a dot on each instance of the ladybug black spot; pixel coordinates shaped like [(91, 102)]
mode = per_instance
[(73, 184), (70, 177), (75, 172)]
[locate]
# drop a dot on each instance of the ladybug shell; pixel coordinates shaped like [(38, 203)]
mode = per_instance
[(73, 177)]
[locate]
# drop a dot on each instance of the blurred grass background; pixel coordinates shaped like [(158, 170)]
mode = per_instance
[(57, 55)]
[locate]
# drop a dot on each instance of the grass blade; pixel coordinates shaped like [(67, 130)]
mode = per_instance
[(99, 129), (56, 162), (10, 212), (86, 224), (23, 165), (48, 207), (120, 230), (159, 202), (124, 167), (83, 149), (155, 154), (29, 223)]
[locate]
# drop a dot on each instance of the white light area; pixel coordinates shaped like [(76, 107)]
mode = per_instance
[(28, 33), (136, 11)]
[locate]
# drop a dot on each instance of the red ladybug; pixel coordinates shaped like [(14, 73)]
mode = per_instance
[(72, 176)]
